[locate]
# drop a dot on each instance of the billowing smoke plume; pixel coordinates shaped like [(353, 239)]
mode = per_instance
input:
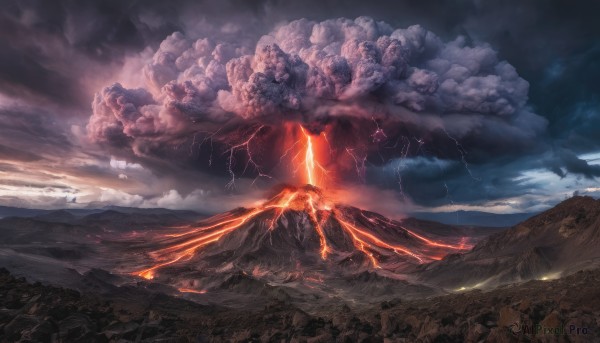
[(359, 75)]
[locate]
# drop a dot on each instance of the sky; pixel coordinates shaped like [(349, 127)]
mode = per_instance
[(429, 106)]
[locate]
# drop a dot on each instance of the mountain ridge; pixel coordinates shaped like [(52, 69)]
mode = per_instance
[(558, 241)]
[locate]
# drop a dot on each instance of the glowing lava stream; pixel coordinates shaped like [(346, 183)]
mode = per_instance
[(376, 240), (318, 227), (462, 246), (183, 246), (190, 290)]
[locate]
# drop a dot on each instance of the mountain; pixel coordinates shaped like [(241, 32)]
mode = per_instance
[(302, 241), (7, 211), (556, 242), (56, 216), (155, 211), (298, 246), (47, 246)]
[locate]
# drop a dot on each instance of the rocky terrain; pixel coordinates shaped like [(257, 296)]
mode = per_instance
[(559, 241), (536, 281), (564, 310)]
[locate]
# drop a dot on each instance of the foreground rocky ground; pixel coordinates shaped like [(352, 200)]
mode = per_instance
[(563, 310)]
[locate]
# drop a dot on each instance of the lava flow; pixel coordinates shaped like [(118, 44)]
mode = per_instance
[(371, 236)]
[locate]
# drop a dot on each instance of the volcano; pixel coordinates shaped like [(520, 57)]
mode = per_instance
[(298, 235)]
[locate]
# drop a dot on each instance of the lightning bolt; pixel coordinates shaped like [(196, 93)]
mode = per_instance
[(183, 246), (463, 154), (245, 146), (378, 135), (359, 163)]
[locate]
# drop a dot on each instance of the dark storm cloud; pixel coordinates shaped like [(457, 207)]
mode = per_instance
[(28, 133), (50, 48), (554, 46), (428, 181), (61, 52), (37, 185), (317, 73), (11, 154), (567, 162)]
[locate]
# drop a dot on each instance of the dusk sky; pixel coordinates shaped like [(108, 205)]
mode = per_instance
[(435, 106)]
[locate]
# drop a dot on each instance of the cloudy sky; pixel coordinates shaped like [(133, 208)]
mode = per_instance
[(439, 105)]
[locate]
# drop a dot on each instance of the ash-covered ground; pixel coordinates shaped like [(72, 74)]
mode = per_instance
[(79, 277), (562, 310)]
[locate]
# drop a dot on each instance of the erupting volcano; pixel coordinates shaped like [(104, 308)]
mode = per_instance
[(300, 231)]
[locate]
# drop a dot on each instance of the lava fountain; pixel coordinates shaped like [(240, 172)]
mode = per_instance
[(377, 238)]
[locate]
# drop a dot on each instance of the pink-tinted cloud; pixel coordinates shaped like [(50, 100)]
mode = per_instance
[(310, 68)]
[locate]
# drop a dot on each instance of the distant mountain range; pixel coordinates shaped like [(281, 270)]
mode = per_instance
[(7, 211), (474, 218), (464, 218)]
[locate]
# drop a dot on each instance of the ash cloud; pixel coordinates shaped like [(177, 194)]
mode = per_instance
[(58, 54), (565, 161), (408, 80)]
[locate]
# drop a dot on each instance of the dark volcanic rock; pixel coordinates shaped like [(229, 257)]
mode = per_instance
[(558, 241), (466, 317), (19, 324), (121, 330), (77, 327), (41, 332)]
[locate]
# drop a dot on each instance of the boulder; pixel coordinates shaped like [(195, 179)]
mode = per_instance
[(77, 327), (18, 325)]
